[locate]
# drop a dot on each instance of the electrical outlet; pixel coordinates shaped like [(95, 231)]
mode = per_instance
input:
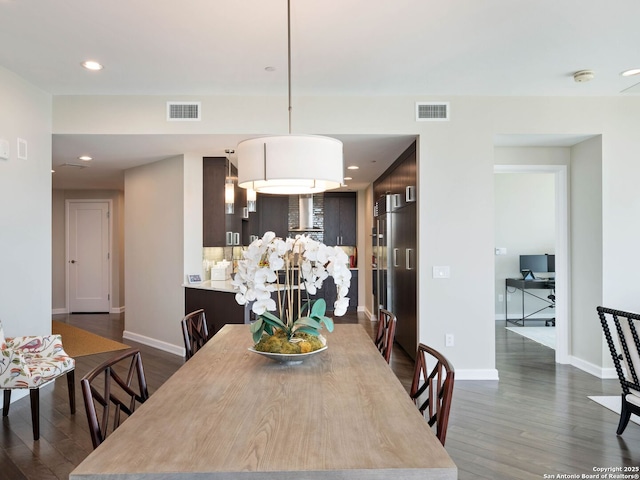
[(448, 340), (501, 298)]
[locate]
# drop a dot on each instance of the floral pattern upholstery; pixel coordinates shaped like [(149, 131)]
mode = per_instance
[(30, 362)]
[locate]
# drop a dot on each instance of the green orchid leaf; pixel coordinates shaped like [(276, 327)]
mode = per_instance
[(310, 322), (255, 326), (308, 330), (257, 335), (318, 308), (328, 322), (271, 318)]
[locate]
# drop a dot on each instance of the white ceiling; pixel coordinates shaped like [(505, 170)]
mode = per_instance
[(339, 47)]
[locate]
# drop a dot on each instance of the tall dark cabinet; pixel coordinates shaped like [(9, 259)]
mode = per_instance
[(218, 228), (273, 214), (395, 277), (340, 218)]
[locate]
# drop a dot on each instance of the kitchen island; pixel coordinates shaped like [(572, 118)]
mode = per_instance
[(217, 298)]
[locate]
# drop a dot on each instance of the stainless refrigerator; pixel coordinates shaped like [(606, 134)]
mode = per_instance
[(395, 258)]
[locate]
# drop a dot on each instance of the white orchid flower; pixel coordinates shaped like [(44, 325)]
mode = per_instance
[(340, 306)]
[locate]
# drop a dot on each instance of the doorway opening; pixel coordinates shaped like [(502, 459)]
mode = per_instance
[(557, 245)]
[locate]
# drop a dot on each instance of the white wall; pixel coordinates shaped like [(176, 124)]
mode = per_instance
[(154, 246), (587, 342), (524, 225), (456, 184), (25, 209)]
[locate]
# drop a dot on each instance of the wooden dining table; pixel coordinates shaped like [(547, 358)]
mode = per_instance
[(229, 413)]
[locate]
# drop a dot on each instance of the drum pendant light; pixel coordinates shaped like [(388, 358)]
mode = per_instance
[(290, 164)]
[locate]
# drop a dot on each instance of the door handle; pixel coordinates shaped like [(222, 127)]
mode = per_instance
[(236, 238), (395, 257), (229, 238), (72, 261), (409, 251)]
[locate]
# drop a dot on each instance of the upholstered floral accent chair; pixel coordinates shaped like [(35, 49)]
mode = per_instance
[(30, 363)]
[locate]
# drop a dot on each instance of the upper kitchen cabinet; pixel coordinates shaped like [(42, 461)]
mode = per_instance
[(400, 180), (273, 214), (340, 218), (220, 229)]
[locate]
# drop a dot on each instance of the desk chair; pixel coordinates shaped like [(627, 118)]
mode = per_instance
[(552, 297), (31, 363), (625, 352)]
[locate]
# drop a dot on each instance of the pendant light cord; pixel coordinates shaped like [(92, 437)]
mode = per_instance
[(289, 58)]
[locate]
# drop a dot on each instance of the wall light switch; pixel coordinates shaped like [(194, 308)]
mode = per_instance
[(441, 272), (501, 250)]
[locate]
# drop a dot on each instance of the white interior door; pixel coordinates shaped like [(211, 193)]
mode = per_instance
[(88, 261)]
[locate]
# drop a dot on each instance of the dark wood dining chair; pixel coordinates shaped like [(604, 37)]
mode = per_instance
[(119, 383), (432, 388), (625, 352), (386, 333), (194, 332)]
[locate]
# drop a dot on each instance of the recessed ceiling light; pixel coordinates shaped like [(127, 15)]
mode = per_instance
[(92, 65), (85, 158), (353, 167), (348, 178), (629, 73)]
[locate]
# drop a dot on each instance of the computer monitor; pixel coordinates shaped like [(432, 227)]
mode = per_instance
[(538, 263)]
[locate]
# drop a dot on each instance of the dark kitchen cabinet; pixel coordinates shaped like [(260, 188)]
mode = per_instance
[(219, 307), (340, 218), (273, 215), (398, 282), (220, 229)]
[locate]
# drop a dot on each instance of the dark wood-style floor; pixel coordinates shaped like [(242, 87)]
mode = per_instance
[(536, 420)]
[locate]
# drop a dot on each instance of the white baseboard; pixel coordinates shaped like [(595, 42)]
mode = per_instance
[(477, 374), (595, 370), (155, 343), (366, 311), (60, 311)]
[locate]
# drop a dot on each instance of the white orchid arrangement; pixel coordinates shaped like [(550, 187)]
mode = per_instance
[(306, 264)]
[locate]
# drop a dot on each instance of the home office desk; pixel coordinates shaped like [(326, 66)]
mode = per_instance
[(230, 414), (524, 286)]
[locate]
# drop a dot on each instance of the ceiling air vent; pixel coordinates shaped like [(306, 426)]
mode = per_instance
[(183, 111), (74, 165), (432, 111)]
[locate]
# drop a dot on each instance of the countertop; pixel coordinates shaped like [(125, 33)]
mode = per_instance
[(220, 285), (217, 285)]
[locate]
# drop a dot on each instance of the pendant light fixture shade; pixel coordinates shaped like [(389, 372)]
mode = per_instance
[(290, 164)]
